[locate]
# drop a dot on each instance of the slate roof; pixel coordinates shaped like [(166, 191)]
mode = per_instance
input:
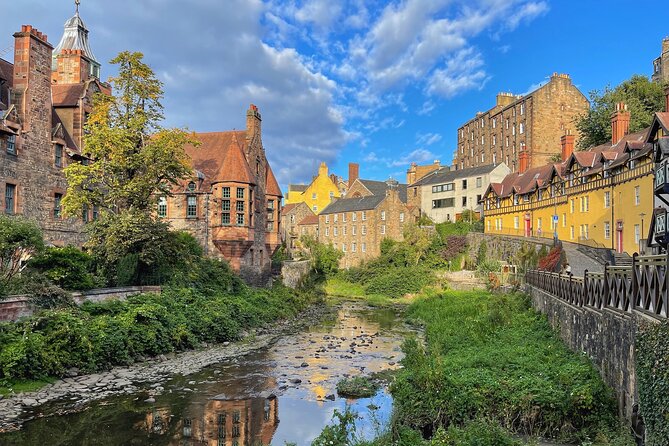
[(445, 175), (354, 204), (297, 187), (378, 188)]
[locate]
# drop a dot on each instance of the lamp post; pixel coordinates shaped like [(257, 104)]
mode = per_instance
[(642, 215)]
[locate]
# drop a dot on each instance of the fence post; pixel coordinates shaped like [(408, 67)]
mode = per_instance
[(635, 281), (605, 293), (584, 297), (571, 287)]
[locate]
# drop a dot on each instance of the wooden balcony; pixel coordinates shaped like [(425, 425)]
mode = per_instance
[(660, 226)]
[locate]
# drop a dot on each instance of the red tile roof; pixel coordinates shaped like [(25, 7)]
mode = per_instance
[(663, 118), (288, 207), (272, 186), (220, 157), (67, 95), (309, 220)]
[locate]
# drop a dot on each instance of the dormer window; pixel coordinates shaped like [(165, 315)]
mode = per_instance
[(191, 187)]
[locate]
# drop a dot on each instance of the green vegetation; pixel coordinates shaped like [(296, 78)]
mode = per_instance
[(25, 386), (19, 239), (358, 387), (207, 304), (652, 369), (324, 258), (643, 99), (68, 267)]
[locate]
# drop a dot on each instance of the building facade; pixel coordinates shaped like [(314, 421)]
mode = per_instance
[(599, 197), (532, 123), (291, 216), (323, 189), (415, 172), (45, 95), (661, 64), (445, 194), (658, 137), (232, 205), (371, 212)]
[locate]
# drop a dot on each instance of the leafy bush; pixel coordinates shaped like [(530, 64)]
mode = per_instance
[(325, 258), (19, 239), (46, 295), (67, 267), (455, 245), (358, 387), (397, 282), (474, 433), (552, 260), (652, 367)]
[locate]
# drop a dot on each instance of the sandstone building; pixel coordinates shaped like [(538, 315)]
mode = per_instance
[(323, 189), (415, 172), (444, 194), (292, 215), (661, 64), (45, 95), (531, 124), (232, 205), (371, 212)]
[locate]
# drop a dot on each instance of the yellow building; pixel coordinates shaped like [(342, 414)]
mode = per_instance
[(600, 197), (318, 194)]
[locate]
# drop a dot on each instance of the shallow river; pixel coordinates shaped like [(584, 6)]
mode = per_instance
[(280, 394)]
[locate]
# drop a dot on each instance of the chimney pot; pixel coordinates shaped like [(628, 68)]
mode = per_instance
[(353, 173), (567, 142), (620, 123)]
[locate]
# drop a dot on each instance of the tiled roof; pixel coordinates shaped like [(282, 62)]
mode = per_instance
[(69, 142), (379, 188), (67, 95), (444, 175), (309, 220), (354, 204), (288, 207), (220, 157), (663, 118), (297, 187), (271, 185)]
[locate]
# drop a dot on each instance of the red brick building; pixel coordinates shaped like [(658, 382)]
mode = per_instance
[(232, 205), (45, 95)]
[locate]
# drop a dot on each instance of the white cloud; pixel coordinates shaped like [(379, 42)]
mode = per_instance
[(416, 156), (427, 139)]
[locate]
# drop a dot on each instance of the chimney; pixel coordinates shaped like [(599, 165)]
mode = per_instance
[(620, 123), (323, 169), (353, 173), (567, 142), (504, 99), (253, 121), (523, 160), (411, 173)]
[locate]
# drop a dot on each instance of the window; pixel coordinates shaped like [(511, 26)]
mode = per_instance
[(637, 195), (270, 226), (343, 217), (84, 213), (240, 219), (96, 212), (343, 247), (354, 216), (607, 230), (539, 223), (363, 247), (571, 232), (521, 128), (225, 218), (364, 215), (522, 109), (240, 206), (327, 232), (58, 161), (57, 198), (443, 203), (383, 229), (354, 230), (336, 218), (479, 181), (314, 208), (226, 192), (313, 196), (488, 224), (270, 205), (191, 187), (354, 247), (331, 195), (564, 220), (363, 230), (464, 202), (327, 219), (494, 140), (401, 217), (343, 230), (507, 124), (464, 184), (494, 122), (571, 206), (637, 234), (516, 222), (10, 198), (443, 187), (336, 231), (292, 219), (607, 199), (191, 206), (11, 144), (240, 193), (162, 207), (383, 215)]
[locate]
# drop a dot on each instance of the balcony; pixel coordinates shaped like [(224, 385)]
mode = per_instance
[(661, 177), (660, 227)]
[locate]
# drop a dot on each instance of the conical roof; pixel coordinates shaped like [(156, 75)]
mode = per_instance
[(75, 37)]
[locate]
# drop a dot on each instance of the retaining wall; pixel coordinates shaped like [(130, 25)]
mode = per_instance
[(293, 272)]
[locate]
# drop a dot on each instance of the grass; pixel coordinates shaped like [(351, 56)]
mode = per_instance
[(25, 386)]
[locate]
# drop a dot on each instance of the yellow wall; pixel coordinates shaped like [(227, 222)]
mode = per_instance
[(622, 207), (319, 193)]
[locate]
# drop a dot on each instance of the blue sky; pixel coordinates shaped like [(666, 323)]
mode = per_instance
[(382, 83)]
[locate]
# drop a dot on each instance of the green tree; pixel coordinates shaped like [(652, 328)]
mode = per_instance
[(19, 240), (324, 258), (68, 267), (417, 241), (134, 159), (643, 99)]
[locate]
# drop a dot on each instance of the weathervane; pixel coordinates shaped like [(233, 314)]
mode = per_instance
[(77, 3)]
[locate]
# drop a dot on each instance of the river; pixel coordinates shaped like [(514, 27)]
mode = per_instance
[(282, 393)]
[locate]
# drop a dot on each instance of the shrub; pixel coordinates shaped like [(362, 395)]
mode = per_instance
[(358, 387), (325, 258), (478, 433), (455, 245), (552, 260), (44, 294), (19, 239), (397, 282), (67, 267)]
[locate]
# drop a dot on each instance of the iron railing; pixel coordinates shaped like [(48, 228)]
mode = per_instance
[(641, 287)]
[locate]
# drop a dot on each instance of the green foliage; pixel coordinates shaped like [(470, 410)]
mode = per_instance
[(44, 294), (340, 432), (526, 258), (481, 255), (67, 267), (325, 258), (358, 387), (494, 358), (488, 266), (643, 99), (210, 304), (398, 281), (652, 368), (462, 227), (19, 239), (474, 433), (134, 160)]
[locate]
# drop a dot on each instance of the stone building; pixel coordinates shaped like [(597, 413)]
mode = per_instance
[(371, 212), (45, 95), (323, 189), (291, 215), (416, 172), (445, 194), (661, 64), (232, 205), (532, 124)]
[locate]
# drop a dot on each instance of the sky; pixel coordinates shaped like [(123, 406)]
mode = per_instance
[(381, 83)]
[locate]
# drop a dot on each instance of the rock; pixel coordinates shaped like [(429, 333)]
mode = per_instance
[(330, 397), (191, 383), (304, 364), (226, 343), (71, 373), (150, 400), (295, 381)]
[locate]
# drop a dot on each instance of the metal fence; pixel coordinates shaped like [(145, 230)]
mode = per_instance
[(643, 286)]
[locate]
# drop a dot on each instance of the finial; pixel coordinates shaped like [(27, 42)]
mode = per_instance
[(77, 3)]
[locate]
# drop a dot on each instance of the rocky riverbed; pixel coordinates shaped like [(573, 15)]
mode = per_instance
[(285, 373)]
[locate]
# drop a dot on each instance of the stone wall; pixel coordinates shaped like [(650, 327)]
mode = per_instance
[(15, 307), (293, 272), (606, 336), (500, 247)]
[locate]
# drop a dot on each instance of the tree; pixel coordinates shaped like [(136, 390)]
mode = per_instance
[(134, 160), (417, 242), (643, 99), (19, 240)]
